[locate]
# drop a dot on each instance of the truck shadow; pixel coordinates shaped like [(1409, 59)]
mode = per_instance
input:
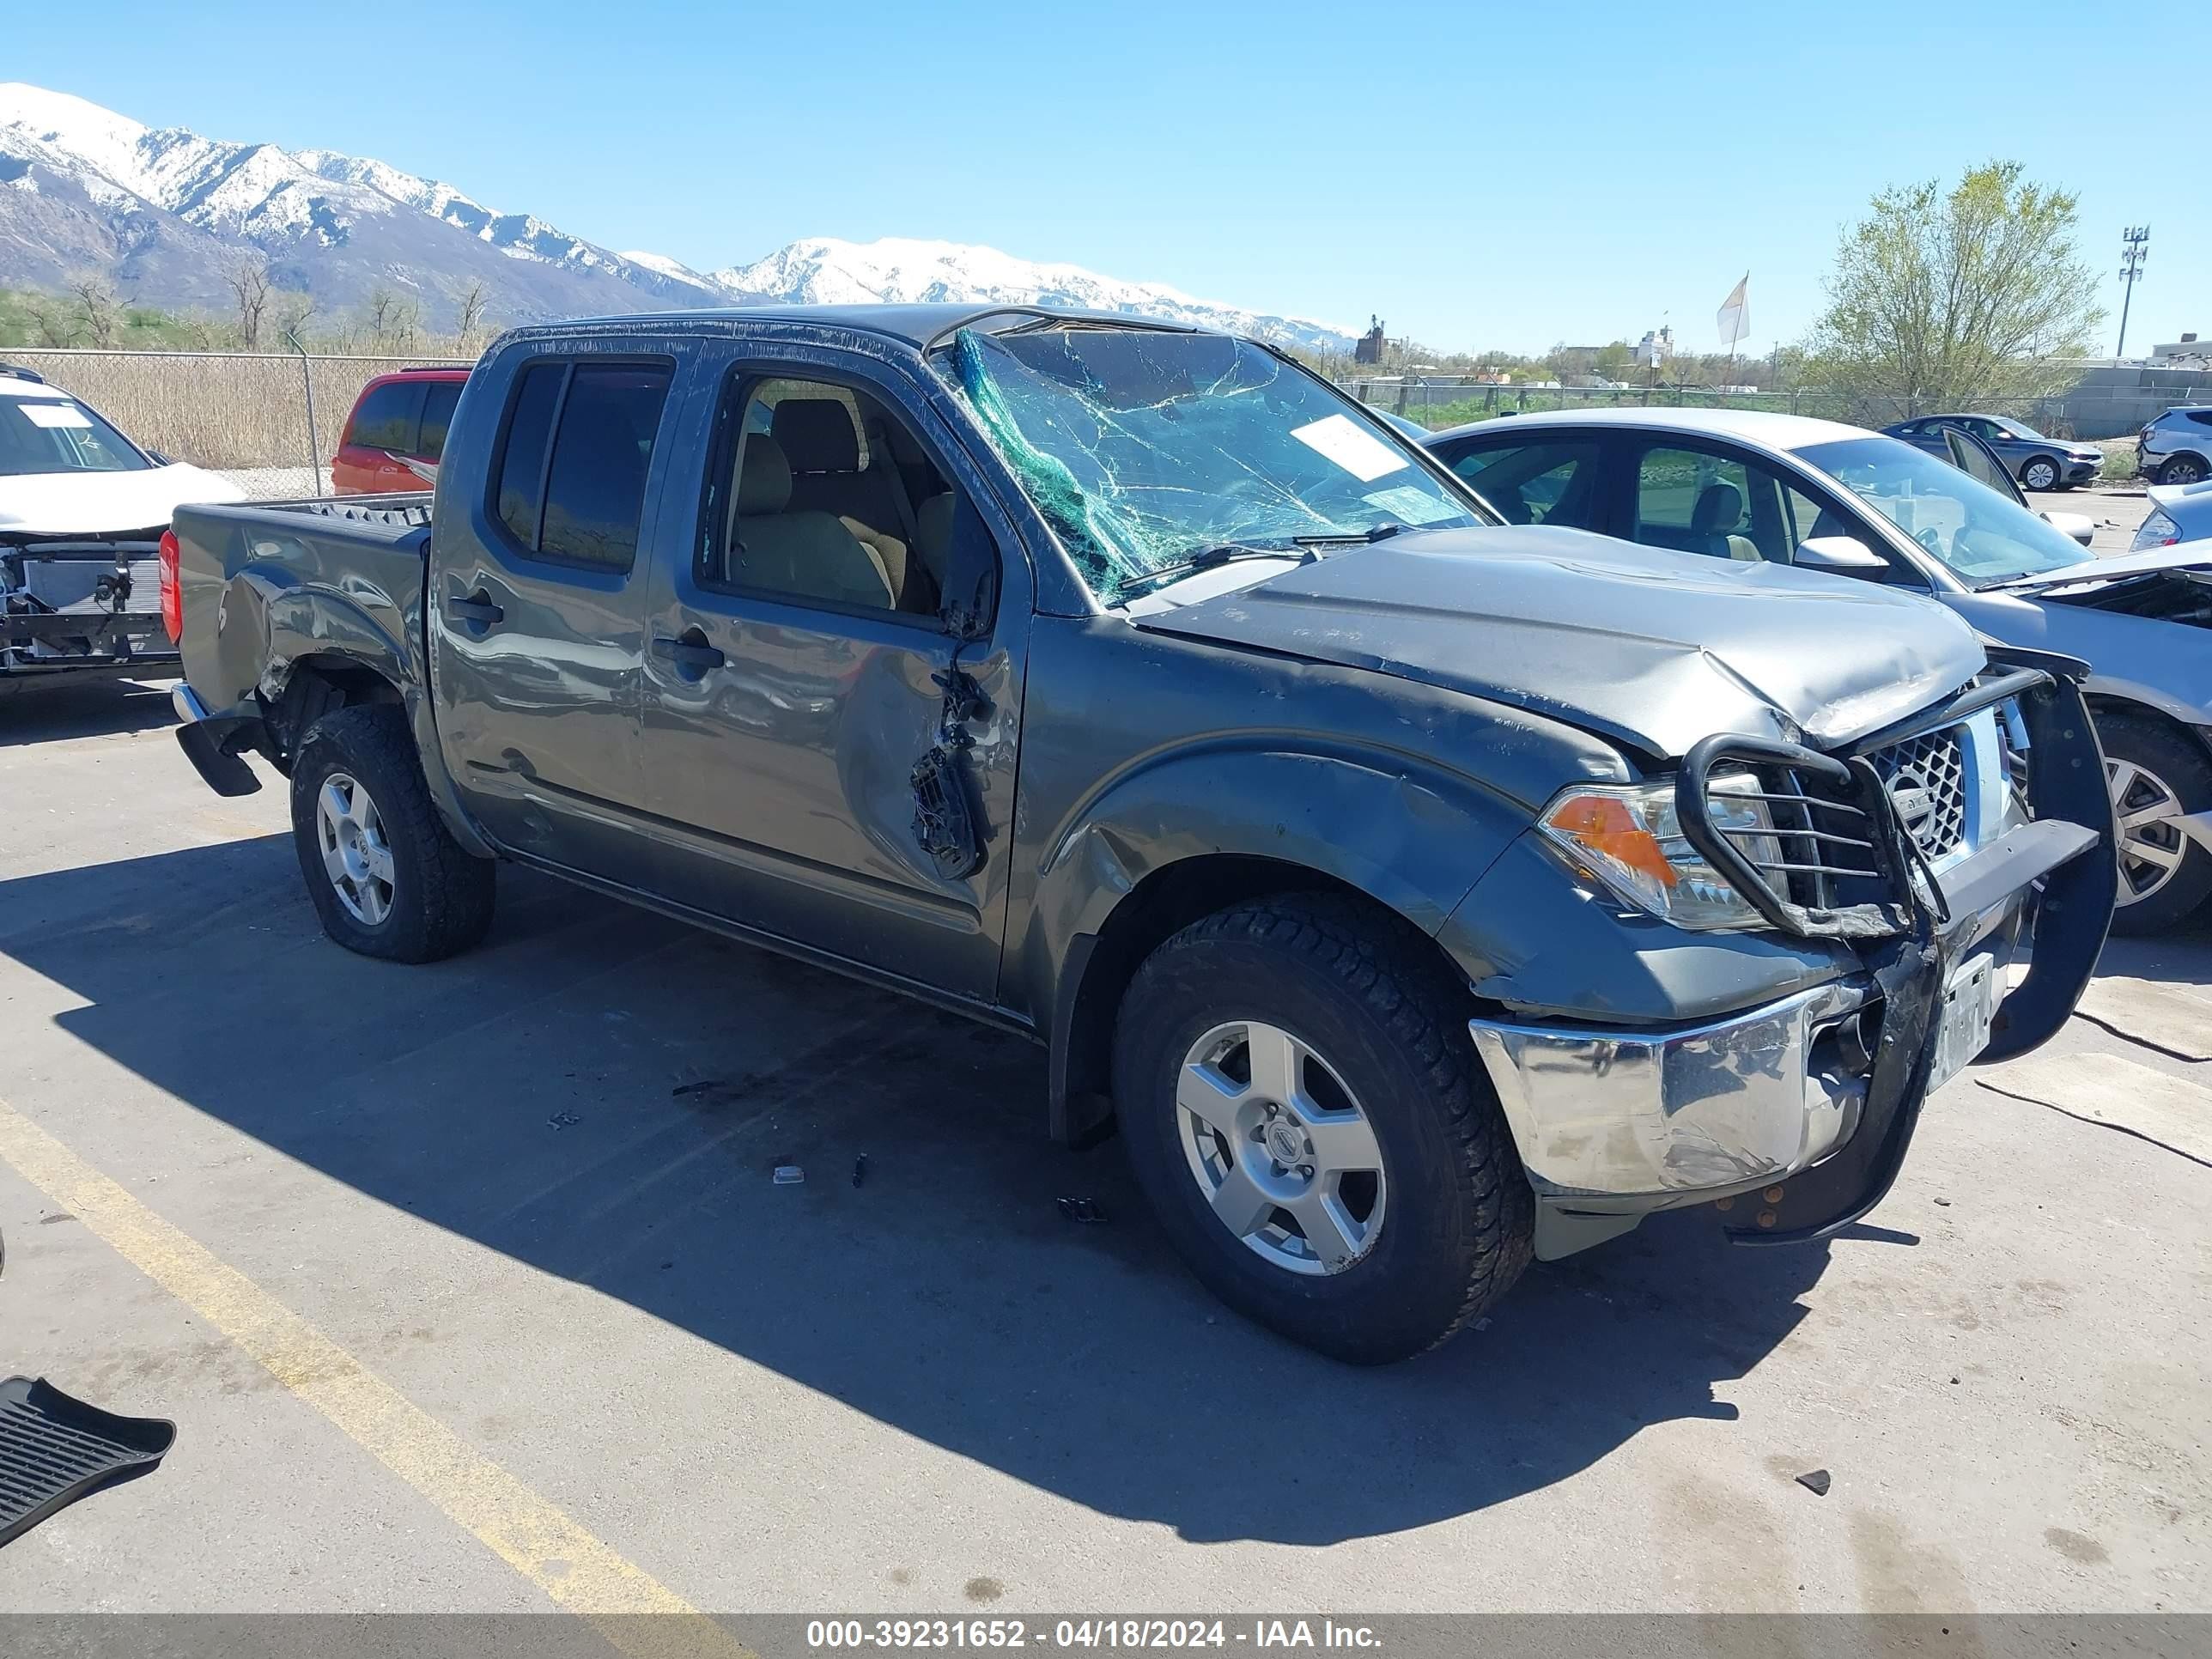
[(605, 1095), (37, 712)]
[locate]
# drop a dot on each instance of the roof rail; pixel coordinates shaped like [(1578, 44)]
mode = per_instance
[(13, 373)]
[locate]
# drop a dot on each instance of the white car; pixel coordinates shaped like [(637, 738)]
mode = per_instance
[(83, 510)]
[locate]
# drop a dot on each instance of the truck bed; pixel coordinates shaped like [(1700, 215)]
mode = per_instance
[(264, 583)]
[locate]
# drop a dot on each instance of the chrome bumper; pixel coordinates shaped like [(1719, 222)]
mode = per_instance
[(1657, 1114)]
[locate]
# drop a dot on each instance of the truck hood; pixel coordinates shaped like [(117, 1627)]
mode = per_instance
[(103, 503), (1653, 649)]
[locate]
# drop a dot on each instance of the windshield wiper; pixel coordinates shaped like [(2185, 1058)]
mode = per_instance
[(1208, 558), (1332, 537)]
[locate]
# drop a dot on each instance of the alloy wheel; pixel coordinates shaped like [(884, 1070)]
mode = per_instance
[(355, 854), (2040, 474), (2152, 845), (1282, 1153)]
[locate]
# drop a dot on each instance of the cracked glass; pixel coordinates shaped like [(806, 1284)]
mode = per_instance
[(1144, 449)]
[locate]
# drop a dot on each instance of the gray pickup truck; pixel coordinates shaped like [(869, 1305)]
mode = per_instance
[(1414, 894)]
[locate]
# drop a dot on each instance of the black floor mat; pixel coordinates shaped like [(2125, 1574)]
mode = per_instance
[(54, 1450)]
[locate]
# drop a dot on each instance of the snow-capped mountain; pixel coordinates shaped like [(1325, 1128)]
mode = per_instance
[(166, 215), (824, 271)]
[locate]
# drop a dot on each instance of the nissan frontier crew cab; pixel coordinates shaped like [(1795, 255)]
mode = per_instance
[(1415, 893)]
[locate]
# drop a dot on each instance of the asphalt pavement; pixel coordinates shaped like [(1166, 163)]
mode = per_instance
[(469, 1288)]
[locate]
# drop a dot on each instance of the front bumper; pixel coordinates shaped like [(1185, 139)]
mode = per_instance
[(1812, 1098), (2082, 472)]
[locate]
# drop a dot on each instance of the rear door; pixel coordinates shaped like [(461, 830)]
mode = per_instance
[(1532, 477), (798, 669), (536, 599)]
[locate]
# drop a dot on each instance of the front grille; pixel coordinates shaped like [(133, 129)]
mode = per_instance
[(1926, 777)]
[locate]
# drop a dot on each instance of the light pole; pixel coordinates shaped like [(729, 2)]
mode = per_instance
[(2135, 247)]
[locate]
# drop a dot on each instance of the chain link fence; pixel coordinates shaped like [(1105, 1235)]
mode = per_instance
[(2104, 405), (269, 421)]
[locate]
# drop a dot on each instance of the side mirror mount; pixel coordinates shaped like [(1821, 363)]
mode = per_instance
[(970, 602), (1841, 556), (2080, 526)]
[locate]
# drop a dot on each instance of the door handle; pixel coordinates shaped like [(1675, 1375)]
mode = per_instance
[(477, 609), (690, 653)]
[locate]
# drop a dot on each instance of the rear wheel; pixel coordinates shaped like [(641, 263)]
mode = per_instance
[(2182, 470), (2040, 473), (2157, 776), (387, 876), (1305, 1112)]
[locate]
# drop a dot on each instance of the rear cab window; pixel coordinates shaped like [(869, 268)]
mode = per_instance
[(568, 486)]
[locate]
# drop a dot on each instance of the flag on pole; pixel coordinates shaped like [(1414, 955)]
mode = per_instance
[(1735, 314)]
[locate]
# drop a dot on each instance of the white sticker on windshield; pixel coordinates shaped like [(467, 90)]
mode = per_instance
[(56, 414), (1411, 505), (1362, 454)]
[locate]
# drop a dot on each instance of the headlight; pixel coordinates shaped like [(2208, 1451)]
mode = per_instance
[(2157, 531), (1627, 837)]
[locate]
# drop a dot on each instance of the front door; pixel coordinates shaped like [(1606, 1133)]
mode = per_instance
[(798, 671), (537, 598)]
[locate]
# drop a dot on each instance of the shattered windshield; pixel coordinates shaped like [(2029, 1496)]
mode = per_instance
[(1144, 449), (1983, 537)]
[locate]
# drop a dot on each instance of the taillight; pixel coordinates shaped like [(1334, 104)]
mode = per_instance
[(173, 596)]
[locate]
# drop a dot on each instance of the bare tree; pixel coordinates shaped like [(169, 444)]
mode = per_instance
[(383, 303), (294, 309), (473, 311), (56, 325), (97, 310), (249, 284)]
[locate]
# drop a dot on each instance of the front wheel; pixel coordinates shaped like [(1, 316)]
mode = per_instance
[(386, 875), (1307, 1117), (2156, 776), (2040, 474)]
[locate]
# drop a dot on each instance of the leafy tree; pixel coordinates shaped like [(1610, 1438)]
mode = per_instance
[(1947, 298)]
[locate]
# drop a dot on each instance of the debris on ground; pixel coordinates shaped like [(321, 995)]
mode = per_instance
[(860, 1169), (564, 1120), (698, 1088), (789, 1175), (1081, 1209), (1814, 1481), (1942, 1203)]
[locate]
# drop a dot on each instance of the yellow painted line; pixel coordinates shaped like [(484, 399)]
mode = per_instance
[(636, 1613)]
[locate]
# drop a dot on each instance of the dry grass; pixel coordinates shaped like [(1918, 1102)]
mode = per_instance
[(215, 409)]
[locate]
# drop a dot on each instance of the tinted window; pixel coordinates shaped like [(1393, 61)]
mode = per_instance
[(522, 460), (386, 418), (2202, 416), (439, 399), (1534, 483), (595, 490)]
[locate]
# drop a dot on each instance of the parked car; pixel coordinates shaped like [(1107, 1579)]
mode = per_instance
[(396, 432), (1788, 489), (2176, 448), (81, 512), (2178, 512), (1415, 893), (2039, 463)]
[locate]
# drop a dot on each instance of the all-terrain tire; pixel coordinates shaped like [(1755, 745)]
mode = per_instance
[(2180, 765), (1457, 1226), (440, 897)]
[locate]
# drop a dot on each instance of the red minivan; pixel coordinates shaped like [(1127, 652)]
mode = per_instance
[(396, 432)]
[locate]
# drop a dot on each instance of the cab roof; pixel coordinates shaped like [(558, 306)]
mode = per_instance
[(917, 325)]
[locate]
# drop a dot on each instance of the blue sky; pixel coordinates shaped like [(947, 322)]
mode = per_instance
[(1479, 175)]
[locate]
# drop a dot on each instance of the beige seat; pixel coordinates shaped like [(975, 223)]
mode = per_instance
[(1722, 504), (807, 553)]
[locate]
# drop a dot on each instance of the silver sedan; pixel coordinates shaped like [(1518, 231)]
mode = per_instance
[(1786, 489)]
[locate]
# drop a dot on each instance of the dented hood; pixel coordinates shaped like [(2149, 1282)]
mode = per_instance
[(1654, 648), (105, 503)]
